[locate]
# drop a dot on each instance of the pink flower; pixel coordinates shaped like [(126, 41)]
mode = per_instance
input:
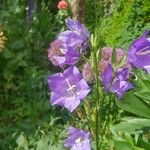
[(62, 4)]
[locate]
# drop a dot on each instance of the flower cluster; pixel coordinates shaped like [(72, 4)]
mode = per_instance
[(117, 84), (69, 88), (69, 45)]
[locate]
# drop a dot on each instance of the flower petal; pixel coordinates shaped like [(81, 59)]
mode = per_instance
[(120, 87), (107, 77), (71, 103)]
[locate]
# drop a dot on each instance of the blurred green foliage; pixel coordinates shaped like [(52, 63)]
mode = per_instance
[(127, 21), (24, 99)]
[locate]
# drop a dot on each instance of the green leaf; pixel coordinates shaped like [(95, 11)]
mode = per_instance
[(22, 142), (142, 86), (144, 95), (134, 104), (131, 125), (122, 145), (42, 144)]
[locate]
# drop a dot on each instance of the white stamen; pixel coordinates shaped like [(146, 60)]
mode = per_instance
[(62, 51), (70, 87), (78, 140)]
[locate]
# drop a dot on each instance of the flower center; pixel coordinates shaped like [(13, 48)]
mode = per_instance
[(78, 140), (71, 88), (62, 51)]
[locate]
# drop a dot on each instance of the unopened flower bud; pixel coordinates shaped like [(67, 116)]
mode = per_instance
[(54, 50), (87, 73), (120, 54), (106, 53), (102, 65)]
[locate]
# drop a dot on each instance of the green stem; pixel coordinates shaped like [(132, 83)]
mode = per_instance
[(97, 116)]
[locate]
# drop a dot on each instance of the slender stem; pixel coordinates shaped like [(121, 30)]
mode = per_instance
[(97, 116)]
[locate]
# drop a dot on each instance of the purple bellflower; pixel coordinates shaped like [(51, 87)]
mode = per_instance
[(119, 84), (139, 52), (60, 54), (77, 139), (76, 36), (68, 88)]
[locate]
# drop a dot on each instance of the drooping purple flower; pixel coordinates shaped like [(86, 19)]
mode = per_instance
[(68, 89), (139, 52), (77, 139), (120, 87), (76, 36), (107, 77), (118, 84), (60, 54)]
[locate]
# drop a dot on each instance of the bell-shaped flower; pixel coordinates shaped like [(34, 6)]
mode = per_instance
[(68, 89), (76, 36), (77, 139), (139, 52), (118, 84), (60, 54)]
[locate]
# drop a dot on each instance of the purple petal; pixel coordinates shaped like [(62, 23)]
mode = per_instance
[(57, 84), (73, 74), (73, 24), (72, 56), (84, 89), (56, 99), (76, 26), (60, 60), (139, 52), (147, 68), (107, 77), (122, 73), (84, 145), (77, 139), (71, 103), (70, 38), (120, 87)]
